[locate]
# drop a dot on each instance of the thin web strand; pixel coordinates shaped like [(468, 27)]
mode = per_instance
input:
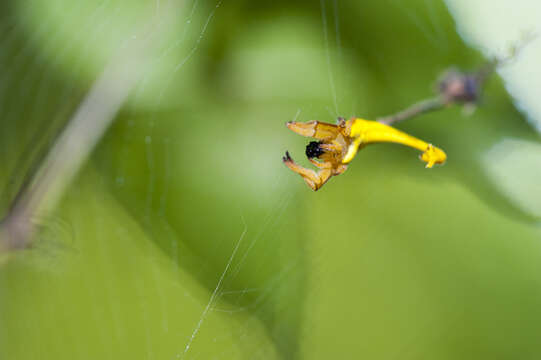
[(328, 56), (214, 293)]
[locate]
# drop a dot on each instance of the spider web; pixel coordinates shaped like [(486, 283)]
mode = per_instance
[(50, 111), (184, 237)]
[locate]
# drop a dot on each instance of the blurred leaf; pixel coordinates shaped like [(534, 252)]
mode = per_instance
[(110, 293), (187, 192), (515, 166)]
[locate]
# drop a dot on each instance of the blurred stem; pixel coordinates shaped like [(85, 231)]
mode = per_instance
[(457, 87), (69, 152), (82, 132), (421, 107)]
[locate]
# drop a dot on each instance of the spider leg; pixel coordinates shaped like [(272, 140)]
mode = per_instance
[(340, 169), (331, 147), (340, 121), (313, 179), (315, 129), (320, 165)]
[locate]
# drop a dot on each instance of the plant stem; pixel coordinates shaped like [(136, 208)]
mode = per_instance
[(80, 135), (414, 110)]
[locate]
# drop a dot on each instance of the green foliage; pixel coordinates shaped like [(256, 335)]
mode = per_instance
[(185, 236)]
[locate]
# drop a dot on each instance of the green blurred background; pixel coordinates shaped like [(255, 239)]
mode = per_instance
[(185, 237)]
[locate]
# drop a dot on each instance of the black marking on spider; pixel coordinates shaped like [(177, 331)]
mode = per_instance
[(287, 157), (313, 150)]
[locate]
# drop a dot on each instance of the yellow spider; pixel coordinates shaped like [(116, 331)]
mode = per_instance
[(338, 144)]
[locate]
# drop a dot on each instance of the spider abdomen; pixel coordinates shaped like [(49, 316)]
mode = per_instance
[(313, 150)]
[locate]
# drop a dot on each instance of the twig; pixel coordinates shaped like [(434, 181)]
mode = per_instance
[(457, 87), (414, 110)]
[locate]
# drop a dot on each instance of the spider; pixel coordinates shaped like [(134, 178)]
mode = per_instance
[(338, 144)]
